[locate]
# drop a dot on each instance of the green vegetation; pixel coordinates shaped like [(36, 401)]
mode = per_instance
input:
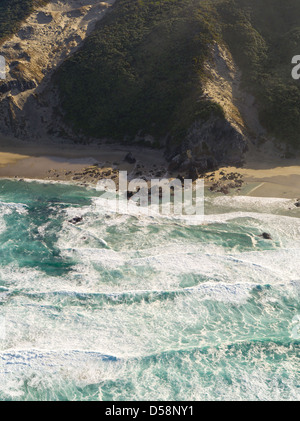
[(263, 36), (12, 12), (141, 71)]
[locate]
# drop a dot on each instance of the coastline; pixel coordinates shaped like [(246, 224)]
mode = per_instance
[(70, 162), (263, 175), (281, 181)]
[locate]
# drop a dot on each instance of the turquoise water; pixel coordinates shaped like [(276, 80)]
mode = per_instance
[(126, 308)]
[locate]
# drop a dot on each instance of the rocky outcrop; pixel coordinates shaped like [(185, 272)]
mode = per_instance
[(208, 145), (218, 141), (266, 236), (19, 85), (28, 100), (130, 158)]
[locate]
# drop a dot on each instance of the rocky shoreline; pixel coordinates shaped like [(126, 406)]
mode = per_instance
[(90, 175)]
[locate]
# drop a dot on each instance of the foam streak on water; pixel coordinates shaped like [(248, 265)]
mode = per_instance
[(119, 307)]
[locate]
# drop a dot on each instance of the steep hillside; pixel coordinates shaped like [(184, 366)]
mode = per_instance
[(142, 69), (199, 78), (263, 36), (143, 74)]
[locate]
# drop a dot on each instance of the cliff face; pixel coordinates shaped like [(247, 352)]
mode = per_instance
[(219, 141), (190, 77)]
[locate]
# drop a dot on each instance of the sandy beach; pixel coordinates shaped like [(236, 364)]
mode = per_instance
[(263, 174), (268, 174), (281, 181), (67, 162)]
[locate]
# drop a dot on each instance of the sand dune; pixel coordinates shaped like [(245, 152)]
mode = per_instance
[(44, 41)]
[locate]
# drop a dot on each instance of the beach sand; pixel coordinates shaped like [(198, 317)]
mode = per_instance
[(265, 174), (66, 161), (281, 181)]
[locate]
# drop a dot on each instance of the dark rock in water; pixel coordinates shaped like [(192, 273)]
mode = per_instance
[(180, 178), (214, 187), (224, 190), (266, 236), (238, 183), (130, 194), (130, 158), (76, 220)]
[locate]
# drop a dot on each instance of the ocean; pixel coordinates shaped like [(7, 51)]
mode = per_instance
[(119, 307)]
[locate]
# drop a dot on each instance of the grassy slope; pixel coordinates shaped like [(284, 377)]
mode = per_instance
[(12, 12), (263, 36), (140, 71)]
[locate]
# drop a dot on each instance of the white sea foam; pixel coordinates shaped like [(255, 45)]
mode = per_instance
[(248, 203), (52, 374), (157, 296), (8, 208)]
